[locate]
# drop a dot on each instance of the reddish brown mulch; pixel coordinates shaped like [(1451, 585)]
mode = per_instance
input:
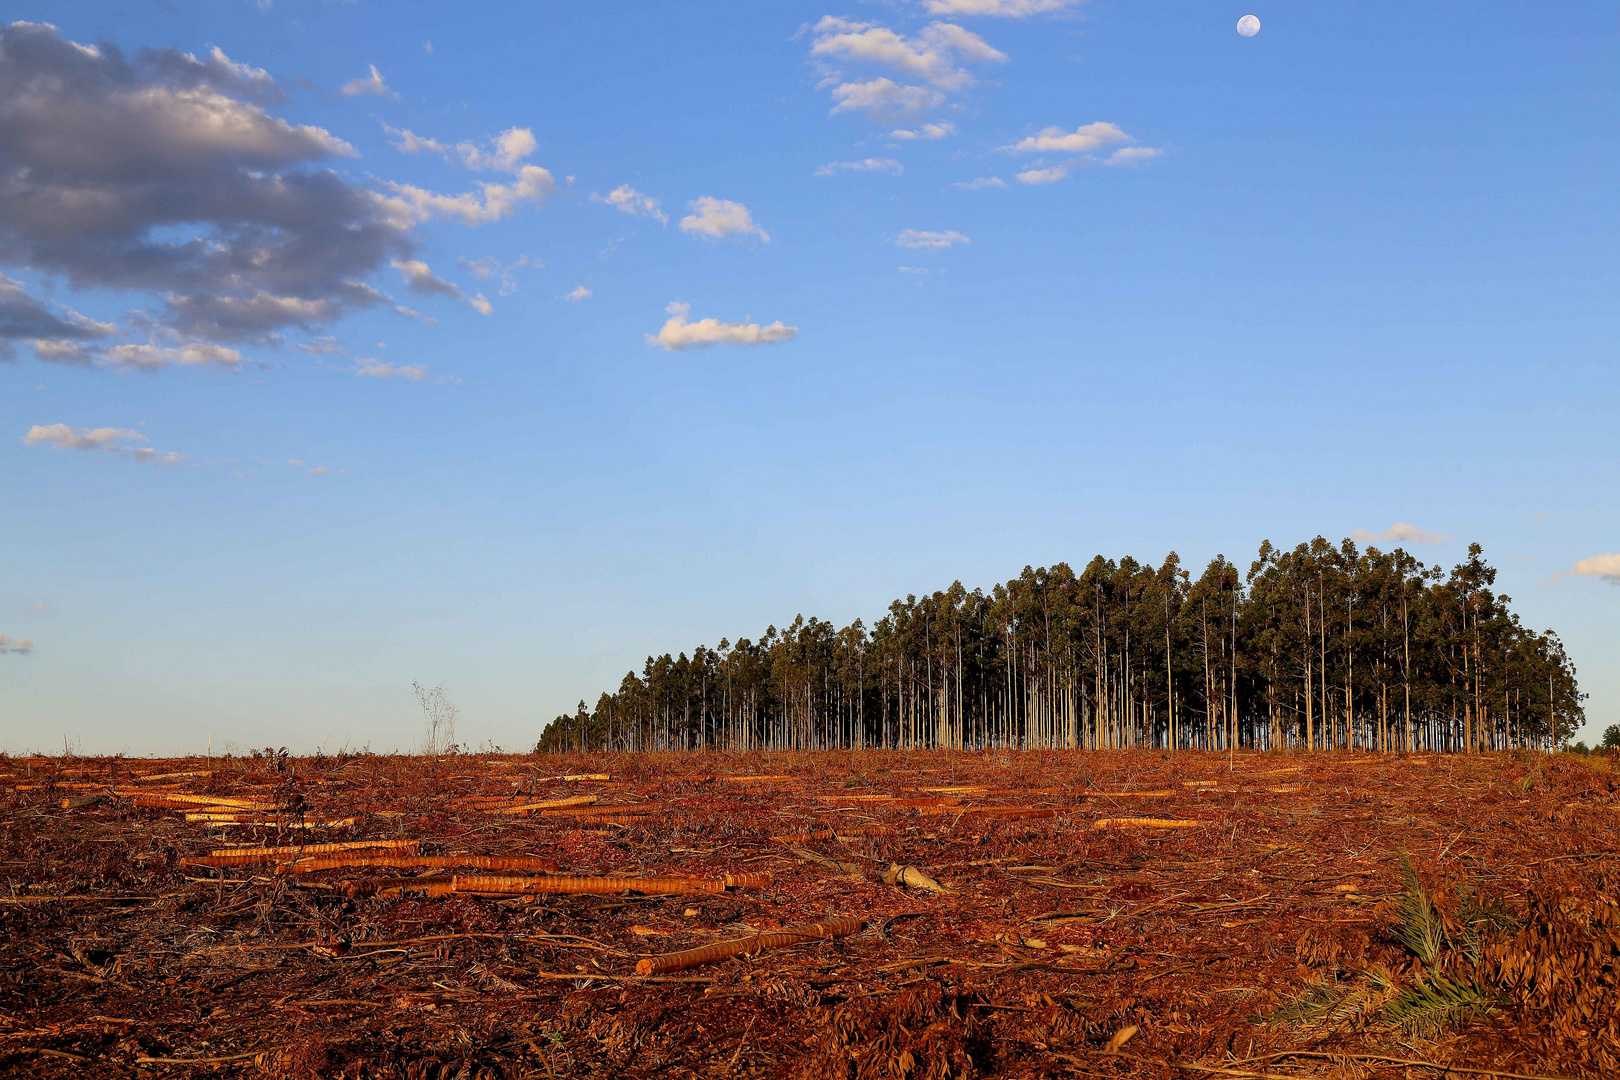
[(1051, 937)]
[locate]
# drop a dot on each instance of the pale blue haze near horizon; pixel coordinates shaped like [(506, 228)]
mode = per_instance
[(1370, 277)]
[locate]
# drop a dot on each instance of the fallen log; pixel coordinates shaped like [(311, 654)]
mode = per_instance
[(825, 929)]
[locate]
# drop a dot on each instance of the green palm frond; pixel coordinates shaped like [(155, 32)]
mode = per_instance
[(1437, 1003), (1418, 924)]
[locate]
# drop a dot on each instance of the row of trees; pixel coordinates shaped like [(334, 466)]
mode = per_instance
[(1319, 646)]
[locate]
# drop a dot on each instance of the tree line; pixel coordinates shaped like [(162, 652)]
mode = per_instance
[(1321, 646)]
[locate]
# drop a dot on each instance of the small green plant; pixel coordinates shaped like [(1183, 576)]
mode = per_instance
[(1441, 990)]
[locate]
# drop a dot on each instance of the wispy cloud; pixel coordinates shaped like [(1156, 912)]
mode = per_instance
[(371, 85), (980, 183), (717, 219), (880, 165), (1082, 140), (578, 293), (502, 153), (678, 333), (883, 97), (152, 357), (15, 646), (934, 55), (1132, 155), (925, 132), (1004, 9), (932, 61), (1401, 532), (925, 240), (489, 267), (114, 441), (372, 368), (411, 205), (1606, 567), (1042, 176), (420, 279), (627, 200)]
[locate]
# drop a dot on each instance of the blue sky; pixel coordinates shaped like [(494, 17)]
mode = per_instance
[(1207, 290)]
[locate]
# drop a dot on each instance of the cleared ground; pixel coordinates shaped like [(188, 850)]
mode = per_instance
[(1119, 914)]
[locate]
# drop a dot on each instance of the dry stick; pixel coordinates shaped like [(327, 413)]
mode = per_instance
[(196, 1061), (834, 927), (599, 886)]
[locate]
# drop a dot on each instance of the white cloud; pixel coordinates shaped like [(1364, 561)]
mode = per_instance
[(322, 346), (1131, 155), (1400, 532), (923, 240), (1606, 567), (914, 270), (1043, 176), (319, 470), (104, 440), (372, 368), (1082, 140), (882, 97), (410, 205), (883, 165), (627, 200), (980, 183), (412, 313), (1006, 9), (579, 293), (157, 357), (372, 85), (933, 56), (18, 646), (504, 153), (488, 267), (925, 132), (719, 218), (677, 333), (427, 47), (420, 279)]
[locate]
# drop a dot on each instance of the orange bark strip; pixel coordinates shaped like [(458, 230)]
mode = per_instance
[(1143, 823), (259, 822), (247, 856), (545, 804), (748, 881), (431, 887), (833, 927), (434, 862), (600, 886)]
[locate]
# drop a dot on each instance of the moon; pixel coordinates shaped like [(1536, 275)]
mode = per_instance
[(1248, 26)]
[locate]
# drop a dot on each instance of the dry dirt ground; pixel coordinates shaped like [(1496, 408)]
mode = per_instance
[(1117, 914)]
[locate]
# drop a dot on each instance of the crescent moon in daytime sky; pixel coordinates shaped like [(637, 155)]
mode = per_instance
[(1248, 26)]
